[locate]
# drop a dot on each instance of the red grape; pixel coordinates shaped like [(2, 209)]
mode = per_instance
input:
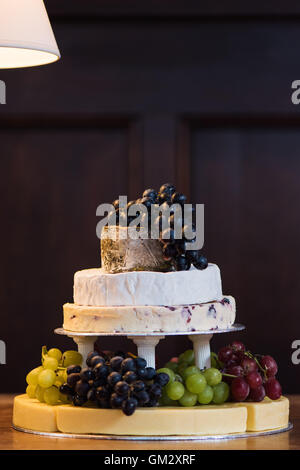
[(270, 365), (249, 365), (225, 354), (254, 379), (257, 394), (237, 346), (232, 370), (239, 389), (235, 370), (273, 389)]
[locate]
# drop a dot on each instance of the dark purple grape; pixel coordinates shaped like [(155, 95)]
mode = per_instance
[(116, 362), (182, 263), (128, 364), (201, 263), (79, 400), (150, 373), (147, 202), (130, 377), (66, 389), (101, 371), (155, 391), (96, 360), (113, 378), (167, 187), (151, 403), (142, 373), (116, 400), (129, 406), (82, 388), (169, 251), (121, 388), (73, 370), (102, 392), (140, 362), (87, 374), (138, 386), (142, 397), (178, 198), (151, 193), (91, 395), (103, 403), (73, 379), (162, 379)]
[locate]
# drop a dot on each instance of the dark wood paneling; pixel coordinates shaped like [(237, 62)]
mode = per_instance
[(53, 180), (248, 180), (148, 92)]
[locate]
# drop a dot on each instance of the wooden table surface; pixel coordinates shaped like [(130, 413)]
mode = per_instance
[(14, 440)]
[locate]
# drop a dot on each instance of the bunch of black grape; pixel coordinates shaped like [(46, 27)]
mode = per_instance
[(174, 249), (121, 381)]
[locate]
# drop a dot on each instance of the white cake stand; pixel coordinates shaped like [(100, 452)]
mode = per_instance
[(146, 342)]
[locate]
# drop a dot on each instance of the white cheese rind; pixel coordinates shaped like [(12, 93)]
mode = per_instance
[(97, 288), (152, 318)]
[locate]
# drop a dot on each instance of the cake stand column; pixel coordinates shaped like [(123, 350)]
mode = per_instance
[(85, 345), (201, 350), (146, 347)]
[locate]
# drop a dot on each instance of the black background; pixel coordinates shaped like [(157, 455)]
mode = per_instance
[(190, 92)]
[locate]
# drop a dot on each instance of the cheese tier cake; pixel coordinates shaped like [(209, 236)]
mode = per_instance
[(119, 297)]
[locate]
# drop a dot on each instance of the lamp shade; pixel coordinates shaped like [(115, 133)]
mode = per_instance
[(26, 36)]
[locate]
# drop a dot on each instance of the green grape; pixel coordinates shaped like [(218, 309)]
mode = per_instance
[(188, 356), (32, 376), (166, 401), (178, 378), (39, 394), (213, 360), (181, 358), (56, 353), (170, 373), (59, 381), (188, 399), (175, 390), (50, 363), (71, 358), (51, 396), (213, 376), (221, 393), (206, 396), (195, 383), (191, 370), (172, 365), (64, 398), (181, 368), (46, 378), (63, 375), (30, 390)]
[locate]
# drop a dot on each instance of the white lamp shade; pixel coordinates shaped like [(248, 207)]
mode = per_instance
[(26, 36)]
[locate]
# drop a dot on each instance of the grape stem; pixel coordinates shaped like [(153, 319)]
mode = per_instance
[(254, 357), (229, 375)]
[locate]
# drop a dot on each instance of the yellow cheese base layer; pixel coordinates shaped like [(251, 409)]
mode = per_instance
[(200, 420)]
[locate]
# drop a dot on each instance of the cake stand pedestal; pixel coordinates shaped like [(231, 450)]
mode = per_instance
[(146, 342)]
